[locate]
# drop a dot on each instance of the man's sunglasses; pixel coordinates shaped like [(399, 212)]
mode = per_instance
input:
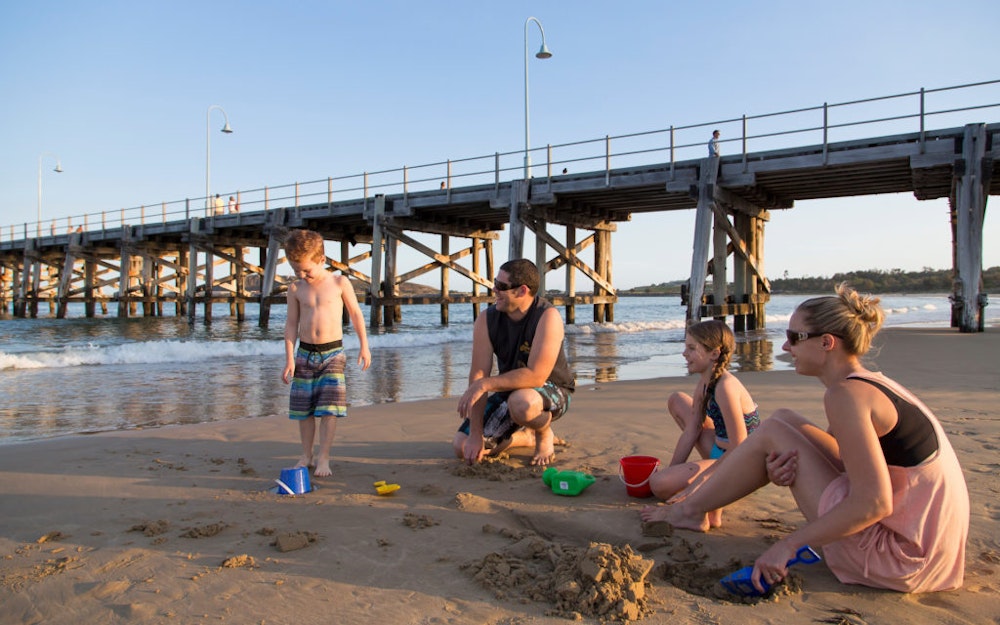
[(794, 337), (500, 285)]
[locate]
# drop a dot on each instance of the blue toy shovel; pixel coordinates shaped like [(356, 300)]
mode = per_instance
[(739, 582)]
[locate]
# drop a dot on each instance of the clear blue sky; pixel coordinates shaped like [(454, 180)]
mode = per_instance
[(119, 90)]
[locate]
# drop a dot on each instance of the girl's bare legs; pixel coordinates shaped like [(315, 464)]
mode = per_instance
[(671, 480), (680, 406), (744, 470)]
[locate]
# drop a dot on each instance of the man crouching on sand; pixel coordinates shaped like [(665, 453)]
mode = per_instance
[(516, 407)]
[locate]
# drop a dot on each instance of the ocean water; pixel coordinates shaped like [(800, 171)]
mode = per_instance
[(78, 375)]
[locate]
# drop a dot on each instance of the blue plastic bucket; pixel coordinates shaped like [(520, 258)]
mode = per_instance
[(294, 481)]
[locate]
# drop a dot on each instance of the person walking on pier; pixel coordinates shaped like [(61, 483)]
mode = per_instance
[(233, 206), (316, 304), (217, 207), (713, 146), (533, 386)]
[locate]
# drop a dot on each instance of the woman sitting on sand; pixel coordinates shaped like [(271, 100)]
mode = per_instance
[(881, 489), (721, 419)]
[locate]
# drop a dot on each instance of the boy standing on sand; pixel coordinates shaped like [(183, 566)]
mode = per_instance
[(316, 304)]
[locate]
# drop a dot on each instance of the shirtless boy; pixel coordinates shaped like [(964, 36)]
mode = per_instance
[(316, 303)]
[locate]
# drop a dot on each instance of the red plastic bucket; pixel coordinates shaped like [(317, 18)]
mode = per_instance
[(635, 472)]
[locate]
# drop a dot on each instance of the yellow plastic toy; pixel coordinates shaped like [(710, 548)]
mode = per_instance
[(384, 489)]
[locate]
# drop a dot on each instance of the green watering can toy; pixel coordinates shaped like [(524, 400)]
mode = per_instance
[(570, 483)]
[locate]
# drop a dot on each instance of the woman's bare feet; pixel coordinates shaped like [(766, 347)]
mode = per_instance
[(678, 516), (653, 513)]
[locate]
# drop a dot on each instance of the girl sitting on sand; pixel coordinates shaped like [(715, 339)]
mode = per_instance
[(716, 418), (881, 488)]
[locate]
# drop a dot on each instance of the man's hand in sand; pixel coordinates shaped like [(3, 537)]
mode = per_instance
[(473, 450)]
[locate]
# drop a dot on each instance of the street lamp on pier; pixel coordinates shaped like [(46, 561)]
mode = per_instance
[(58, 169), (208, 153), (543, 53)]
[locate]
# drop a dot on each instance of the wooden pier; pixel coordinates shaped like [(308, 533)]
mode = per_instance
[(185, 262)]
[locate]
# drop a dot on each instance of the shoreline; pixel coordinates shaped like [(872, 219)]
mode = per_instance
[(746, 360), (136, 525)]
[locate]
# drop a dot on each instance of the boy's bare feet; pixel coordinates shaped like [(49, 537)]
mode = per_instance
[(323, 468), (304, 461)]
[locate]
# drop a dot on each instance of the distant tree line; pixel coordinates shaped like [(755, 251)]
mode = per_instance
[(879, 281), (871, 281)]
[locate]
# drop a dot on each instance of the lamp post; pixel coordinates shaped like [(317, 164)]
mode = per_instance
[(58, 170), (208, 153), (543, 53)]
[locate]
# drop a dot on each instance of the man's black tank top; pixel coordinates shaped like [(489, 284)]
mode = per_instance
[(512, 342)]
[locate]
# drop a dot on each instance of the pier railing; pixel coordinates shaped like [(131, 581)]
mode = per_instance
[(900, 113)]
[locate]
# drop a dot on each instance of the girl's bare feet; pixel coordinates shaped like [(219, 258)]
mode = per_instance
[(715, 518)]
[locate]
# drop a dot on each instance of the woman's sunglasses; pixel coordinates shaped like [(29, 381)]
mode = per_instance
[(499, 285), (794, 337)]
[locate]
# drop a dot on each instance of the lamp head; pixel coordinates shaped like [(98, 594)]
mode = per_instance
[(58, 168), (226, 129), (543, 52)]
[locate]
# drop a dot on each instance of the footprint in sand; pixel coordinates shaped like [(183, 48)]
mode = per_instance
[(151, 528), (419, 521), (205, 531), (106, 590)]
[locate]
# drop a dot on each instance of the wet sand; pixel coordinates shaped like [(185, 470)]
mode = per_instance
[(178, 524)]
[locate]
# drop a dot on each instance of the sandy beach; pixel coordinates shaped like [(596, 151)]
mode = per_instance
[(177, 524)]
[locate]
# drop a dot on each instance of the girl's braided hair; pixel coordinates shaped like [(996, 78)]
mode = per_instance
[(713, 334)]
